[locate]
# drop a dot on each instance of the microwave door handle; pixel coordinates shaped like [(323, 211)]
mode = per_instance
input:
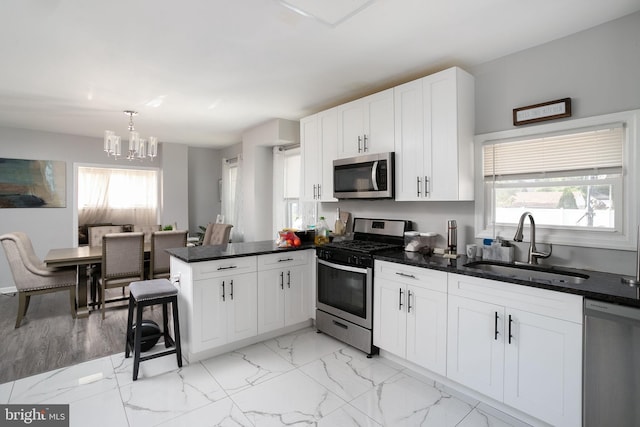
[(374, 175)]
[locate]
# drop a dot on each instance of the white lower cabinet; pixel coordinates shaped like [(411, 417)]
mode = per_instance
[(226, 308), (519, 345), (410, 313), (283, 290), (224, 303)]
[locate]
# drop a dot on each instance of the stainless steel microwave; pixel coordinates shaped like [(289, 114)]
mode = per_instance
[(364, 177)]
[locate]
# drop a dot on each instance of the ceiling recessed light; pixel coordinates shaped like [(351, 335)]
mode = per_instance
[(329, 12)]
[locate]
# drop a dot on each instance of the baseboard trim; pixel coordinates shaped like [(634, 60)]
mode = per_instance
[(9, 290)]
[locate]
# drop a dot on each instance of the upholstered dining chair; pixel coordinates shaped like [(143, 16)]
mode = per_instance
[(32, 277), (217, 234), (161, 240), (95, 233), (122, 263), (147, 230)]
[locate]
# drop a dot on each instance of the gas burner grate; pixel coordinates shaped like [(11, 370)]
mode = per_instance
[(362, 246)]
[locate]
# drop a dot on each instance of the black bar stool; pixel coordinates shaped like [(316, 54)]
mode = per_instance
[(146, 293)]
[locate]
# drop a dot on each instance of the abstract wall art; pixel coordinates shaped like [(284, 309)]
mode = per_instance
[(32, 183)]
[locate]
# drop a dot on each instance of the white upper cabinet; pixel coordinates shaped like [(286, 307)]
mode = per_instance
[(318, 141), (366, 125), (434, 125)]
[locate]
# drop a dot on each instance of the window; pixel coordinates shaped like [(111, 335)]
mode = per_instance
[(232, 196), (118, 196), (574, 178), (292, 186), (286, 187)]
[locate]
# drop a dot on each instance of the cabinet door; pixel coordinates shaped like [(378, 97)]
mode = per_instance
[(296, 295), (310, 154), (449, 129), (409, 141), (543, 367), (427, 328), (328, 152), (242, 306), (351, 121), (475, 353), (379, 123), (389, 316), (440, 134), (270, 300), (209, 327)]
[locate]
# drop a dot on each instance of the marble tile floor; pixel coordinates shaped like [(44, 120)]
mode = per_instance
[(298, 379)]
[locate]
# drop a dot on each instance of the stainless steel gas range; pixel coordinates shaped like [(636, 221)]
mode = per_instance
[(344, 297)]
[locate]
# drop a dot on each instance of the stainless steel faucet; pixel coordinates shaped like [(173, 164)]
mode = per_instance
[(533, 252)]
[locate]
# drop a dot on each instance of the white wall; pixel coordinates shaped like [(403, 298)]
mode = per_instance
[(257, 174), (175, 185), (598, 68), (205, 169)]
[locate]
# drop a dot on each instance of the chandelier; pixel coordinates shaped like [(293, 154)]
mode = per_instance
[(139, 148)]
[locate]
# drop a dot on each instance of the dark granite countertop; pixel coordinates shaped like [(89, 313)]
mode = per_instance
[(232, 250), (600, 286)]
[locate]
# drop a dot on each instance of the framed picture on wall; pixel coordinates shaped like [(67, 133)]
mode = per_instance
[(541, 112), (33, 183)]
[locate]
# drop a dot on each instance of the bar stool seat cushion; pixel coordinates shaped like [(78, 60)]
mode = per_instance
[(151, 289)]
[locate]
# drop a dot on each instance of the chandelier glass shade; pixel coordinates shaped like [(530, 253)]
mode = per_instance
[(139, 148)]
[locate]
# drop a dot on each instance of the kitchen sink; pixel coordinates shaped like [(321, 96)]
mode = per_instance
[(532, 273)]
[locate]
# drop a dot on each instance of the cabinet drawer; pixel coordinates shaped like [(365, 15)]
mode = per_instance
[(416, 276), (224, 267), (555, 304), (283, 259)]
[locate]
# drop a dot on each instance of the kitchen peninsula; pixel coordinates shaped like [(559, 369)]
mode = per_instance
[(223, 308)]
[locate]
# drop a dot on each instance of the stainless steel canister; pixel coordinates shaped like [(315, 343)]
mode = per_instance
[(452, 236)]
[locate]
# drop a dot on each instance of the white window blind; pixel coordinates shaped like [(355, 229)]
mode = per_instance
[(595, 150), (292, 173)]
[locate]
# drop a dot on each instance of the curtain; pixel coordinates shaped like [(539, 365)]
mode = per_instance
[(118, 196)]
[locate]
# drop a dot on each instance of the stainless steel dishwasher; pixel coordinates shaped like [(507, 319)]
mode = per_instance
[(611, 365)]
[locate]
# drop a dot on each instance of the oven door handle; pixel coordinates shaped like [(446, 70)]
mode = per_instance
[(343, 267)]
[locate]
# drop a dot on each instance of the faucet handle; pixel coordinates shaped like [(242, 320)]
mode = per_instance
[(542, 255)]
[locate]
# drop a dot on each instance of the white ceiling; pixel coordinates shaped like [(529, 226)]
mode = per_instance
[(202, 71)]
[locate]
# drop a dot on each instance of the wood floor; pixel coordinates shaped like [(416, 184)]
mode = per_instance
[(50, 338)]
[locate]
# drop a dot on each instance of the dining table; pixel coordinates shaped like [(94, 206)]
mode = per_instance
[(80, 257)]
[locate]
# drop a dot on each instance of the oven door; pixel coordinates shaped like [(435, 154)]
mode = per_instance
[(346, 292)]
